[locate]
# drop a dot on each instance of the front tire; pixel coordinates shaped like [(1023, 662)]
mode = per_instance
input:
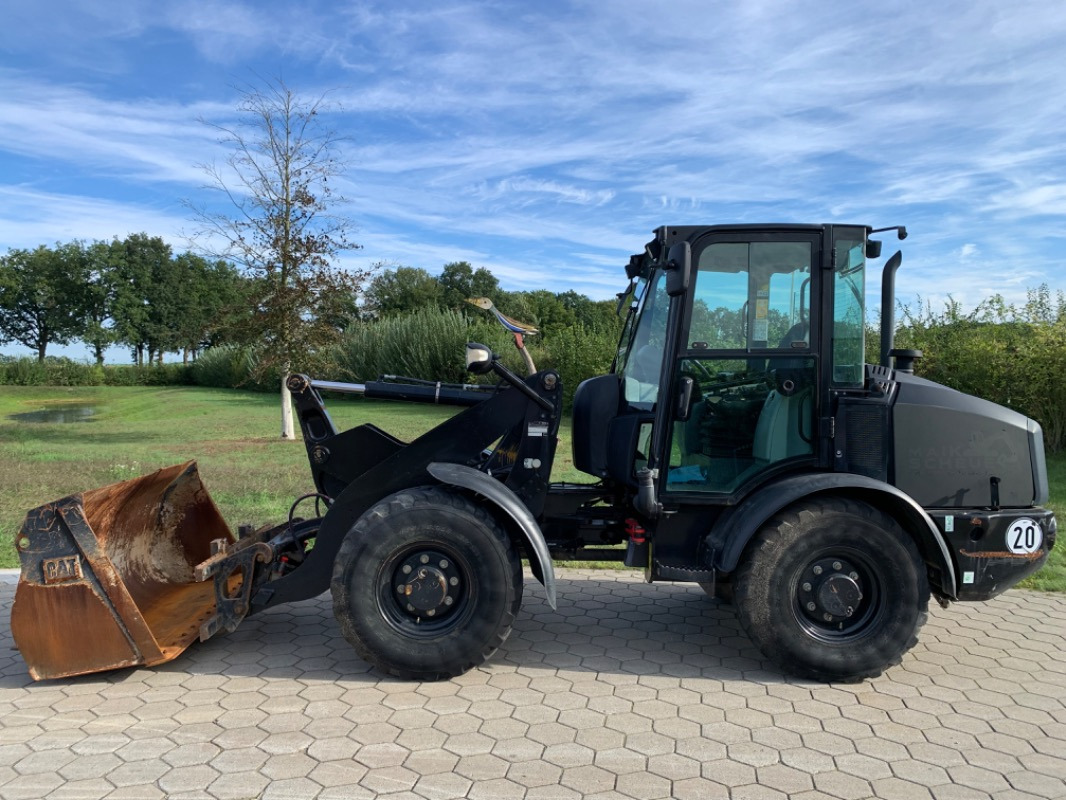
[(426, 585), (832, 590)]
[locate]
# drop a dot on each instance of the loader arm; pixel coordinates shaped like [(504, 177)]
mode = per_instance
[(506, 434)]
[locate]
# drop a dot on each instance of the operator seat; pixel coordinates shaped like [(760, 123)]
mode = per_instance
[(784, 426)]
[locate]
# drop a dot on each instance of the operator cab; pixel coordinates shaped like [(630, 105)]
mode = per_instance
[(735, 338)]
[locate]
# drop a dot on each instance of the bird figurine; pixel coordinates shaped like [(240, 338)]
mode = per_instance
[(516, 328)]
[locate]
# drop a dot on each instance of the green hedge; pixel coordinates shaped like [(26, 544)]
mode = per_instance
[(1013, 357), (233, 367), (431, 344), (27, 371)]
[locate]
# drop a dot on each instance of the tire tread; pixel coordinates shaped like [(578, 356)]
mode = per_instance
[(778, 534), (380, 514)]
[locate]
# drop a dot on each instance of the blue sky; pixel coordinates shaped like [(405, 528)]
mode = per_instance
[(546, 140)]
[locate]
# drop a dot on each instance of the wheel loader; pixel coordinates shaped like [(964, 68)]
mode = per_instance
[(739, 442)]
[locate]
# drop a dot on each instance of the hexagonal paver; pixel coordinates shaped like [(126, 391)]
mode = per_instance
[(628, 691)]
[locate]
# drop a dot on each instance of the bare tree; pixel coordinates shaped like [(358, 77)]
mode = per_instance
[(281, 226)]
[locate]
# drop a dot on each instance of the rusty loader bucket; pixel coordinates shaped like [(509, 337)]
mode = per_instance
[(108, 575)]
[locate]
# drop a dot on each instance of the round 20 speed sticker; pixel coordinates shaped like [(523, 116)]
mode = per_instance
[(1024, 536)]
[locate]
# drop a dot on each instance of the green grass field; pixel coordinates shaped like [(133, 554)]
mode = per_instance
[(251, 473)]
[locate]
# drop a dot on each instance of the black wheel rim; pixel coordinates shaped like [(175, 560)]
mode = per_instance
[(425, 590), (839, 595)]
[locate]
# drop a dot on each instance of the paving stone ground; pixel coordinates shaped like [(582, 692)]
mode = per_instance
[(626, 691)]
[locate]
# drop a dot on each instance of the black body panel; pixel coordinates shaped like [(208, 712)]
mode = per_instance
[(981, 543), (953, 450)]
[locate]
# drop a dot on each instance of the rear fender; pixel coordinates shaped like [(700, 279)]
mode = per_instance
[(737, 526), (508, 502)]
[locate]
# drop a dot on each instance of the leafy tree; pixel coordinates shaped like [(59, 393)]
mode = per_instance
[(144, 296), (549, 313), (41, 297), (459, 281), (282, 227), (597, 315), (100, 291), (403, 290), (204, 300)]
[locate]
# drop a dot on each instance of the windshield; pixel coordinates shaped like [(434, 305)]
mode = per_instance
[(640, 352)]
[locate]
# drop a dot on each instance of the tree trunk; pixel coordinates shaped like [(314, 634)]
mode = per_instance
[(288, 430), (41, 346), (99, 352)]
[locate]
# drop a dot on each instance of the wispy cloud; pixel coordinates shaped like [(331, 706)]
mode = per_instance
[(547, 140)]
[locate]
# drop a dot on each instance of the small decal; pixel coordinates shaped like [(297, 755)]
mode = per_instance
[(967, 577), (537, 429), (949, 524), (61, 570), (1024, 536)]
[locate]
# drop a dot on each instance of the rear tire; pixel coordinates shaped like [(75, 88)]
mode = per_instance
[(426, 585), (832, 590)]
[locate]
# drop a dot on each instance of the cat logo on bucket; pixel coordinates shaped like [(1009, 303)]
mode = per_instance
[(62, 570)]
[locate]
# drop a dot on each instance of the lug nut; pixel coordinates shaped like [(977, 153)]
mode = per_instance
[(853, 575), (828, 617), (453, 581), (443, 564), (424, 558), (806, 587), (817, 570), (430, 613), (400, 588), (811, 606), (406, 569), (837, 566), (448, 600), (410, 607)]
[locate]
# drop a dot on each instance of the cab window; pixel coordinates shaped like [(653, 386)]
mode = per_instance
[(751, 296), (641, 363)]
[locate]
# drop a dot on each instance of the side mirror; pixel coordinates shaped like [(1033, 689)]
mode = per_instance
[(678, 268), (479, 358), (873, 248)]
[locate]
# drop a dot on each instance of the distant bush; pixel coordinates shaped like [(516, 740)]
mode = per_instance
[(233, 367), (429, 344), (146, 375), (578, 353), (27, 371), (1013, 357)]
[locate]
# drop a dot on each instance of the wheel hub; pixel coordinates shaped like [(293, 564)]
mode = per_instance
[(839, 595), (428, 584), (831, 590)]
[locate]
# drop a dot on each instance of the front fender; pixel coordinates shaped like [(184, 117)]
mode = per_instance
[(739, 524), (508, 502)]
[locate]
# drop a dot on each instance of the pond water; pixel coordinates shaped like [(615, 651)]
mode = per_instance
[(65, 412)]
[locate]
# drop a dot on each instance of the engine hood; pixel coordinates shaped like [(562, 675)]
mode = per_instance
[(953, 450)]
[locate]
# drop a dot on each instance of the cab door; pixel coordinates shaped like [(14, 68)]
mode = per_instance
[(745, 394)]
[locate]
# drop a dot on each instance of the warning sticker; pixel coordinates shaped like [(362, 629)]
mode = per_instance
[(537, 429)]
